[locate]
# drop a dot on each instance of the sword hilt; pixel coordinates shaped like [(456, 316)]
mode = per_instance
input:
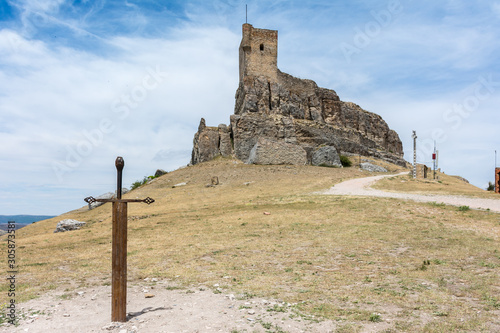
[(119, 163)]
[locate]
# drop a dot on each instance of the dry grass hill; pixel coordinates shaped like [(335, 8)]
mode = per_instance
[(263, 232)]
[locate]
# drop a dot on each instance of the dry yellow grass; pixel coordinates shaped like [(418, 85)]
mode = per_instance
[(341, 258)]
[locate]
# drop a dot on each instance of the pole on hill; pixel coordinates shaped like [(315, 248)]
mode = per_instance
[(119, 246), (414, 136), (434, 157), (497, 175)]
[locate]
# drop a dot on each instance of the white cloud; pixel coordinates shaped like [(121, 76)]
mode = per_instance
[(54, 104)]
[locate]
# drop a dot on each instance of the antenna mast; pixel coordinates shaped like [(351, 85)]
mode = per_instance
[(414, 136), (246, 13)]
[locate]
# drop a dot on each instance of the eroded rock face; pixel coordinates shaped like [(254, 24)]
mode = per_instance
[(267, 151), (297, 112), (210, 142), (326, 156), (281, 108), (225, 144), (312, 116), (249, 127)]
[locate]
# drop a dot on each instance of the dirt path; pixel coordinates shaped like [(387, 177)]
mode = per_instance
[(361, 187), (197, 309)]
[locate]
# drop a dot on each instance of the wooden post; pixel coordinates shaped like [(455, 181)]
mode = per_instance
[(119, 263), (119, 246)]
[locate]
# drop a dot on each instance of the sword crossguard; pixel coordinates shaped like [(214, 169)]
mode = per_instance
[(90, 200), (149, 200)]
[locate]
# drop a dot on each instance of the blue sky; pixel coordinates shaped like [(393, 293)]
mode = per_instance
[(82, 82)]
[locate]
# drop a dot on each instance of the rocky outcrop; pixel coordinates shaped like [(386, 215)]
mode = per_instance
[(69, 225), (291, 112), (267, 151), (210, 142), (106, 196), (225, 144), (297, 112), (326, 156), (160, 172), (372, 167)]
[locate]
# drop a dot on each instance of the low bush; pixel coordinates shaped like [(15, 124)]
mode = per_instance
[(138, 183), (346, 162)]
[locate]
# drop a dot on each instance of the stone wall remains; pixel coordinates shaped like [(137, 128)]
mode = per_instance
[(281, 108)]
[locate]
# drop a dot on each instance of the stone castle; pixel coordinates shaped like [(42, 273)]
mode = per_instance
[(280, 119)]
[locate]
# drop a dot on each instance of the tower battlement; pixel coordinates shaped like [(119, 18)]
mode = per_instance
[(259, 53)]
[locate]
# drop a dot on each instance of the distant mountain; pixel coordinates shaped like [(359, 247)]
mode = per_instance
[(21, 220)]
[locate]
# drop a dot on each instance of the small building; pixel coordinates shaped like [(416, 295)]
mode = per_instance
[(497, 180), (422, 171)]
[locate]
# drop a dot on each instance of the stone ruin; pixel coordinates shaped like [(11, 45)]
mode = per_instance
[(281, 119), (497, 180)]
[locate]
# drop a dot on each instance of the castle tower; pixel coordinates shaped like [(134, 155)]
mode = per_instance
[(259, 53)]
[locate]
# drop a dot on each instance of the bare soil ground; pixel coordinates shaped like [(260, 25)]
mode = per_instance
[(196, 309)]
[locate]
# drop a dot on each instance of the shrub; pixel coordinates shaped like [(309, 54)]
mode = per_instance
[(346, 162), (375, 317), (138, 183), (491, 187), (463, 208)]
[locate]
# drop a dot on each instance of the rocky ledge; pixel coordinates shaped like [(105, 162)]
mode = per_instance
[(297, 116)]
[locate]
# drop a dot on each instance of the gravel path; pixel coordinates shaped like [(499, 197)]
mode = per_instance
[(361, 187), (169, 311)]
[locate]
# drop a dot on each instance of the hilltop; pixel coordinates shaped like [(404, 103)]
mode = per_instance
[(282, 119), (363, 264)]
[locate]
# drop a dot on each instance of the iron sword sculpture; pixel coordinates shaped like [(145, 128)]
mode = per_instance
[(119, 252)]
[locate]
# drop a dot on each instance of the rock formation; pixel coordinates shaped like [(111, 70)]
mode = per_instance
[(372, 167), (268, 151), (69, 225), (210, 142), (106, 196), (280, 119)]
